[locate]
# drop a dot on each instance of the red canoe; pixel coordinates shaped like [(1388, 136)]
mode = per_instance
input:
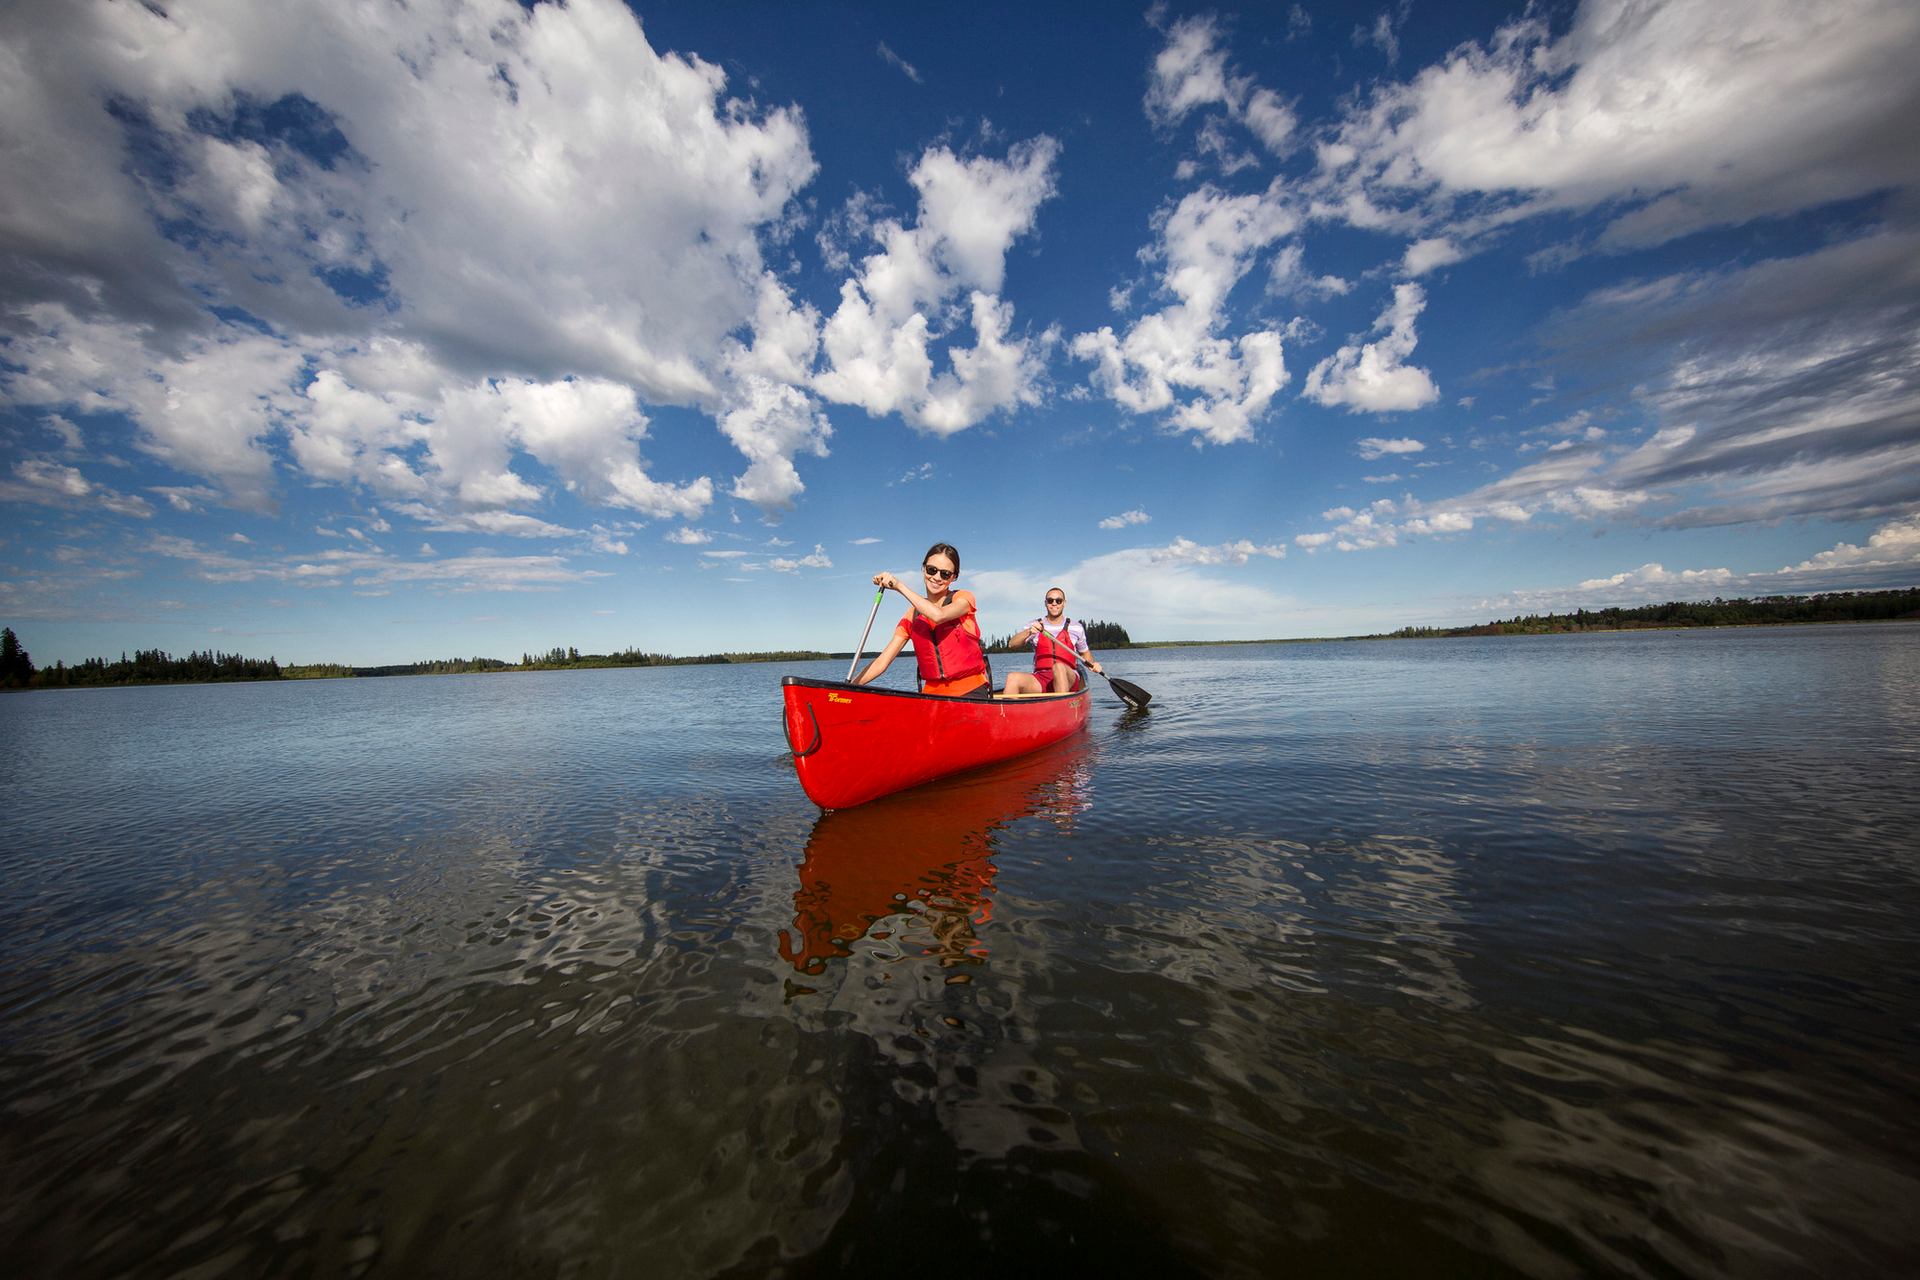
[(855, 743)]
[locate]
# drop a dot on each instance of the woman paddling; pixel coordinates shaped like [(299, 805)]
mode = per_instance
[(1056, 641), (943, 625)]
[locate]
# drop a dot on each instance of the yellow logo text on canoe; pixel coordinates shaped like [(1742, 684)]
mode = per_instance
[(834, 697)]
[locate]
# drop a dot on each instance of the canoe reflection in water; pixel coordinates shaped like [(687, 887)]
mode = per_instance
[(916, 869)]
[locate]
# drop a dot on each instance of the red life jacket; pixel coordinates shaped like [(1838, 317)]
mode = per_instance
[(1046, 649), (949, 651)]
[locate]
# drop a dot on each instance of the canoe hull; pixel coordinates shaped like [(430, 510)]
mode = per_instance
[(855, 743)]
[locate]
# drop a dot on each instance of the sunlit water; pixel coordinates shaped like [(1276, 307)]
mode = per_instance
[(1553, 956)]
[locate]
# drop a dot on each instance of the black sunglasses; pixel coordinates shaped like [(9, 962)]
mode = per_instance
[(945, 575), (1056, 599)]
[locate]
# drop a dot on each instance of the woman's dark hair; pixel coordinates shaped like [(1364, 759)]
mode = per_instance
[(946, 549)]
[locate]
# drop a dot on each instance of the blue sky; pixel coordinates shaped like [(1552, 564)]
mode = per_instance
[(346, 331)]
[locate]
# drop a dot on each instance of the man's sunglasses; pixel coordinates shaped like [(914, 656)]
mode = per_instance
[(945, 575), (1056, 599)]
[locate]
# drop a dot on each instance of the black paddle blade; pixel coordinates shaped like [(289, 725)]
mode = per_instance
[(1130, 693)]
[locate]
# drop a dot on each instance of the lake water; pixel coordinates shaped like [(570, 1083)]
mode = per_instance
[(1549, 956)]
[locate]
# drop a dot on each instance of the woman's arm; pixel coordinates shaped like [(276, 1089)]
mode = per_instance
[(883, 659)]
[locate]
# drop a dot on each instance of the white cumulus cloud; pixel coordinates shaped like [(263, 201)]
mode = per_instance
[(1187, 551), (1374, 377), (1430, 254), (1177, 361), (1656, 575), (1895, 545), (527, 203), (1191, 73), (933, 278), (1685, 120), (817, 560), (1375, 447)]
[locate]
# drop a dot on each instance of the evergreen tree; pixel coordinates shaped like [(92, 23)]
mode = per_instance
[(16, 667)]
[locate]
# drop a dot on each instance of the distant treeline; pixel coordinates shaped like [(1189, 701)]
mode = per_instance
[(154, 666), (558, 659), (555, 659), (1100, 635), (1837, 606), (146, 666)]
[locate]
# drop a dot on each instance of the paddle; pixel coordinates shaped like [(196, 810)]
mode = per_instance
[(878, 596), (1130, 693)]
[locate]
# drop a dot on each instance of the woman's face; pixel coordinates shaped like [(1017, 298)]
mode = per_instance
[(937, 585)]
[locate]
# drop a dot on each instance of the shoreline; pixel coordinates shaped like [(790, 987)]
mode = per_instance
[(757, 659), (1871, 607), (1480, 633)]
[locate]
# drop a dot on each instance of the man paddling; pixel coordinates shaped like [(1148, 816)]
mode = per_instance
[(1056, 639)]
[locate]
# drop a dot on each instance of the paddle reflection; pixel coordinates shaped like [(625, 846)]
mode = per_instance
[(917, 866)]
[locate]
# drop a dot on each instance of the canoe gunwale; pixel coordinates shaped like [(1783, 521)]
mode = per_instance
[(998, 700)]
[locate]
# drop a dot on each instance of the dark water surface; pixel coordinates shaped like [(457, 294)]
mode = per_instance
[(1557, 956)]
